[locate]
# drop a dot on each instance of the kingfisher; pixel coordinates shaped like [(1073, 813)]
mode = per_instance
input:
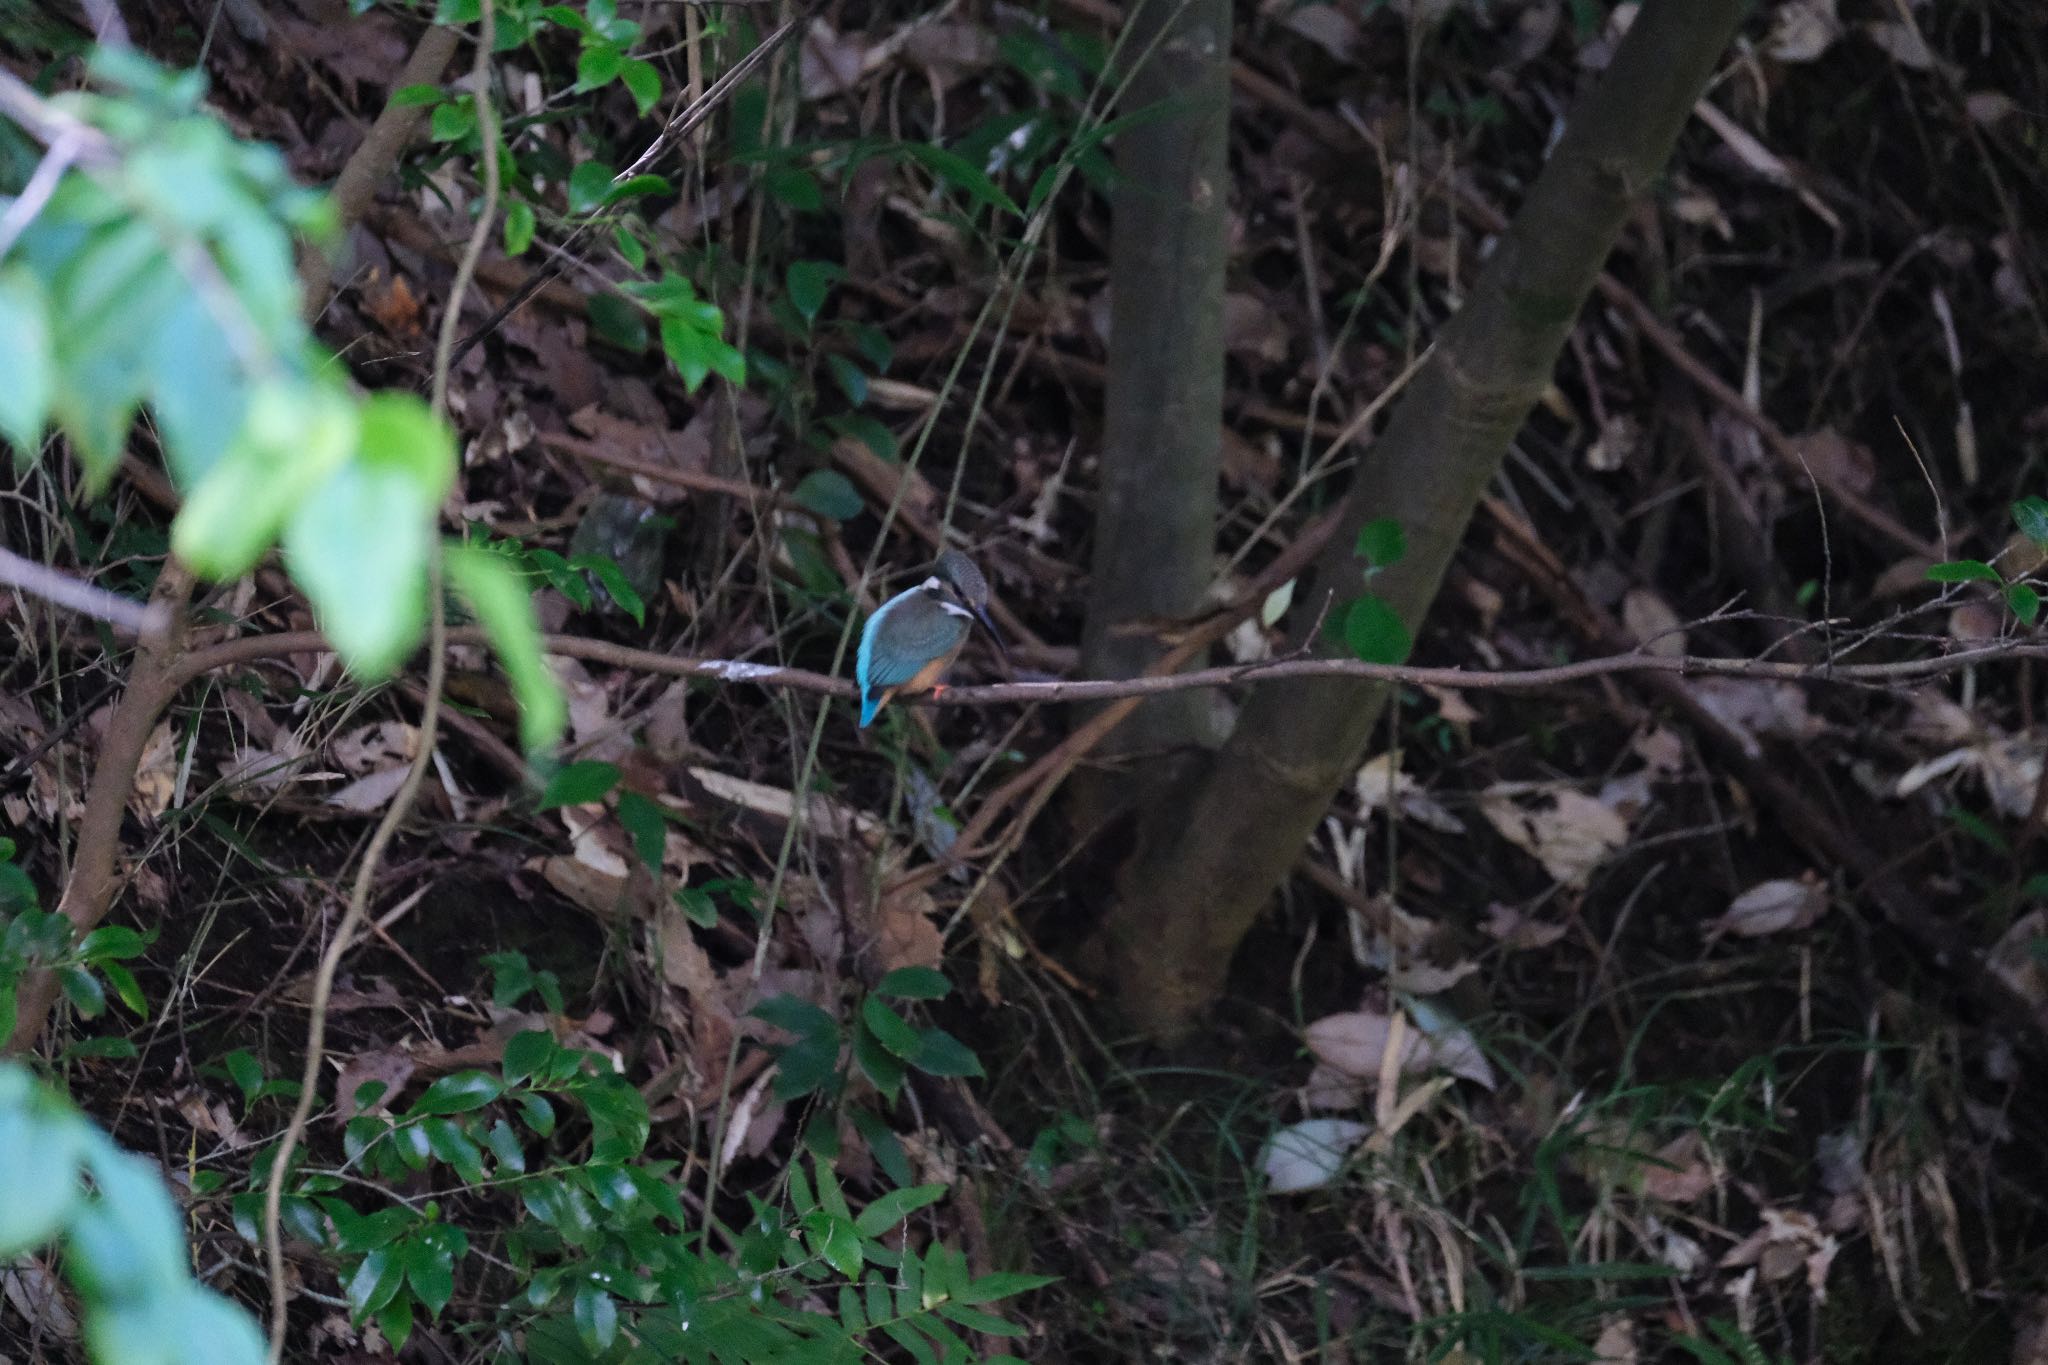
[(913, 638)]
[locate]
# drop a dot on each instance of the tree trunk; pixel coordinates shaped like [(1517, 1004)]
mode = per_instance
[(1213, 855), (1155, 521)]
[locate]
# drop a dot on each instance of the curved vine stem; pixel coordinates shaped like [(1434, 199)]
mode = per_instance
[(430, 715)]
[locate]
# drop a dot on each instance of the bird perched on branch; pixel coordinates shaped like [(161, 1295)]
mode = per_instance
[(913, 638)]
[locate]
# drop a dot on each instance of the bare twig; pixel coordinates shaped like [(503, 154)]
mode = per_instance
[(252, 648), (74, 594)]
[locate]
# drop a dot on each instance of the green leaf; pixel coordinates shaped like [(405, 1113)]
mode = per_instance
[(637, 186), (974, 1320), (2031, 516), (294, 437), (458, 1094), (962, 175), (526, 1052), (415, 96), (1003, 1284), (833, 1240), (643, 82), (83, 990), (697, 906), (796, 188), (25, 358), (598, 65), (113, 941), (358, 544), (808, 282), (891, 1029), (939, 1053), (597, 1316), (2025, 602), (377, 1279), (430, 1270), (830, 494), (519, 227), (617, 322), (643, 820), (883, 1068), (914, 983), (895, 1206), (1382, 543), (40, 1146), (1963, 571), (498, 597), (848, 376), (1374, 633), (453, 121), (579, 784), (589, 183), (797, 1016), (126, 988)]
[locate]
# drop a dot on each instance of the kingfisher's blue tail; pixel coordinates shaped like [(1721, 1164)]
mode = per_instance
[(869, 704)]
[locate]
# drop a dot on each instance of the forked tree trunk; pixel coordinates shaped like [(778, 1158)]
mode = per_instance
[(1212, 856), (1155, 520)]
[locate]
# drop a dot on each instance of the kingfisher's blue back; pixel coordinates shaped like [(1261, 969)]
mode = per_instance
[(906, 633)]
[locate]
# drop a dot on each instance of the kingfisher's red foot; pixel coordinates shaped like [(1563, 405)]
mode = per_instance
[(938, 690)]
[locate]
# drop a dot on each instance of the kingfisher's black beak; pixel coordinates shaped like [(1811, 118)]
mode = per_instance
[(981, 615)]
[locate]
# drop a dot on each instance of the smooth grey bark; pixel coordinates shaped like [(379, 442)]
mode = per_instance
[(1155, 521), (1212, 855)]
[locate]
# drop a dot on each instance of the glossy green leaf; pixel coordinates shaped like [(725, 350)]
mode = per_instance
[(458, 1093), (597, 1316), (526, 1052), (83, 990), (380, 1276), (519, 227), (430, 1271), (2031, 516)]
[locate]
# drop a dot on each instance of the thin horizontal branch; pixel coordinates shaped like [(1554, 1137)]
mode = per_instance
[(1895, 673), (64, 590)]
